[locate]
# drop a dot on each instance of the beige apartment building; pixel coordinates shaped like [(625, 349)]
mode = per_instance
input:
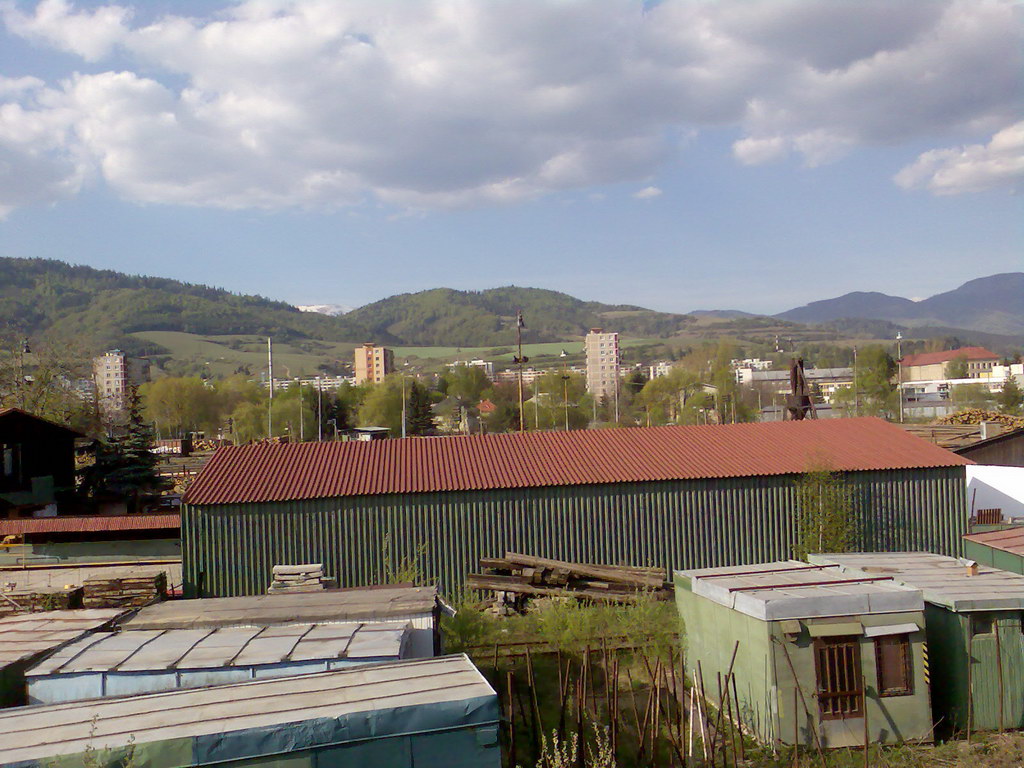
[(114, 374), (373, 363), (603, 360), (930, 366)]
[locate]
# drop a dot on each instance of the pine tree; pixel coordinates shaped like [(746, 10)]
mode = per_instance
[(1011, 398), (419, 417), (125, 464)]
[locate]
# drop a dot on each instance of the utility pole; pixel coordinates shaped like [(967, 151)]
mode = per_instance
[(403, 405), (270, 400), (899, 375), (319, 411), (856, 390), (302, 412), (23, 349), (565, 390), (519, 360)]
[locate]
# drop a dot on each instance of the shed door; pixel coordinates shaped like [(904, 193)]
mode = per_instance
[(840, 680)]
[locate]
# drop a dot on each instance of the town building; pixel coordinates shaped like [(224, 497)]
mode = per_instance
[(427, 713), (373, 363), (603, 360), (66, 539), (930, 366), (822, 658), (37, 465), (660, 368), (668, 497), (825, 380), (973, 618), (114, 374), (485, 365)]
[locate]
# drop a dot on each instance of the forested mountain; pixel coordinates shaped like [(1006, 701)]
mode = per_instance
[(102, 307), (992, 304), (481, 318)]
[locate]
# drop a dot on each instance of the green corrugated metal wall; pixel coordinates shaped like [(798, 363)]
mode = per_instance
[(230, 549)]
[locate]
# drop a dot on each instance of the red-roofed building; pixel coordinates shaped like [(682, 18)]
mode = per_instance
[(669, 497), (929, 366)]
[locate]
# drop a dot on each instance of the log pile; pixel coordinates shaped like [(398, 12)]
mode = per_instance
[(298, 578), (34, 602), (517, 577), (128, 592), (976, 416)]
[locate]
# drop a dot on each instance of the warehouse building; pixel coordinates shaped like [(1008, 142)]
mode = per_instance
[(429, 713), (667, 497), (973, 616), (818, 657)]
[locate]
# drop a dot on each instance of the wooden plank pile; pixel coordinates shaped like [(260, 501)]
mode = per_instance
[(298, 578), (34, 602), (516, 577), (125, 592)]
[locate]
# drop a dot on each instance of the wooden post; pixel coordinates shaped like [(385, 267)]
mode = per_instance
[(739, 720), (970, 673), (864, 706), (509, 680)]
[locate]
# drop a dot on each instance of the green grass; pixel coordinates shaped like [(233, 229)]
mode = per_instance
[(290, 361)]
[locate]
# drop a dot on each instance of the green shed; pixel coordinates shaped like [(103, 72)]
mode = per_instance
[(973, 615), (820, 657), (1003, 548), (432, 713), (665, 497)]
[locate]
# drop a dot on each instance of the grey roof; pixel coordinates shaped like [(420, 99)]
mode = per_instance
[(358, 604), (48, 731), (943, 579), (36, 579), (790, 589), (147, 650), (24, 635)]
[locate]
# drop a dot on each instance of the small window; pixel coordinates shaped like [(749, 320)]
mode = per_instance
[(840, 679), (981, 624), (892, 661)]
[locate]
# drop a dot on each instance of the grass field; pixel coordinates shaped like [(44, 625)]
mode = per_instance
[(223, 355)]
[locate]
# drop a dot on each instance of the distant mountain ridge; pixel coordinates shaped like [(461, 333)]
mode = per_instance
[(104, 307), (993, 304)]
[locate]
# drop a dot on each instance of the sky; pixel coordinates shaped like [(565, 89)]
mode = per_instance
[(678, 155)]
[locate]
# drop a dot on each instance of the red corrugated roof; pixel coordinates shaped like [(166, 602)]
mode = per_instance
[(1009, 540), (88, 524), (932, 358), (257, 473)]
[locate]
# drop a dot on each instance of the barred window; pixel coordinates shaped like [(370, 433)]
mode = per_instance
[(840, 686), (892, 660)]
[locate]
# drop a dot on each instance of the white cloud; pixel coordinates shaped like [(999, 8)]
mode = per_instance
[(90, 35), (647, 193), (974, 168), (279, 103)]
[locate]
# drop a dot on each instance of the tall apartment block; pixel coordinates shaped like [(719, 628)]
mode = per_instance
[(373, 363), (602, 363), (114, 373)]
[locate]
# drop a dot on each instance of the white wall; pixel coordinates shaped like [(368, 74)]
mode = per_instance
[(996, 488)]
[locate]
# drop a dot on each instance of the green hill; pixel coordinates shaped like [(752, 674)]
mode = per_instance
[(106, 308)]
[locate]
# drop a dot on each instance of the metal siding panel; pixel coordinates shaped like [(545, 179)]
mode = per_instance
[(679, 524)]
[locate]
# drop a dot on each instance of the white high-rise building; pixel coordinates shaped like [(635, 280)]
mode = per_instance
[(602, 363)]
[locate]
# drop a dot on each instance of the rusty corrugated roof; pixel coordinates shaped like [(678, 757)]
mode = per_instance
[(259, 473), (89, 524), (931, 358), (1008, 540)]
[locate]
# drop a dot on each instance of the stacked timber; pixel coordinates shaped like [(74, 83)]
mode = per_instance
[(298, 578), (516, 577), (126, 592)]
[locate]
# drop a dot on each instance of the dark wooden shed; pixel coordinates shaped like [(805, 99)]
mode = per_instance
[(37, 461)]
